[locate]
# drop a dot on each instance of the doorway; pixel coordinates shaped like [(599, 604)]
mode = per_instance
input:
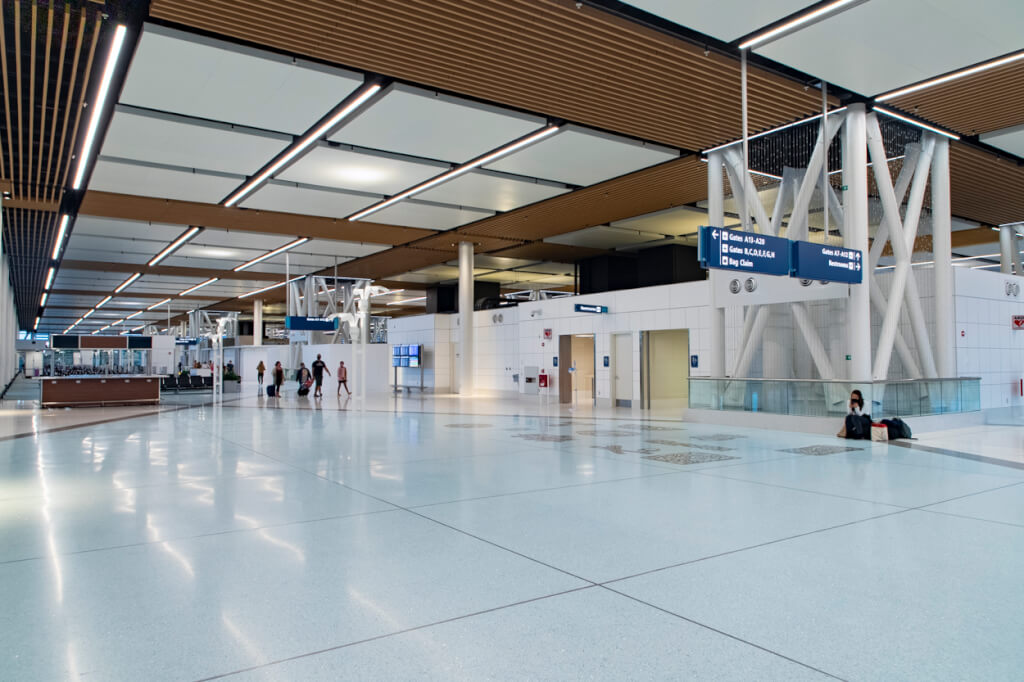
[(576, 368), (622, 378), (665, 367)]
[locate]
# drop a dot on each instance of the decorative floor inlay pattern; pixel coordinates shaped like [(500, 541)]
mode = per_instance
[(468, 426), (719, 436), (818, 450), (690, 457), (683, 444), (619, 450), (606, 434), (544, 437)]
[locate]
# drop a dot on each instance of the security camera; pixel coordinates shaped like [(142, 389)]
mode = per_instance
[(579, 5)]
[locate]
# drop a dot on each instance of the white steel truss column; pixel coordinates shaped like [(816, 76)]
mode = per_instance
[(855, 236), (257, 322), (716, 218), (1007, 245), (942, 255), (465, 318)]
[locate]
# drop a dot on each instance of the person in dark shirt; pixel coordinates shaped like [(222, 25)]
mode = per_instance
[(319, 367)]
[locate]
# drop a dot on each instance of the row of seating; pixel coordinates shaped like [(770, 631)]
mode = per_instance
[(184, 382)]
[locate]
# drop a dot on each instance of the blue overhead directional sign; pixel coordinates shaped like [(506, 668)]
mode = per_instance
[(827, 263), (590, 308), (317, 324), (744, 251)]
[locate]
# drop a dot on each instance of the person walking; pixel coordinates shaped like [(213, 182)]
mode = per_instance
[(343, 378), (278, 378), (260, 369), (319, 367)]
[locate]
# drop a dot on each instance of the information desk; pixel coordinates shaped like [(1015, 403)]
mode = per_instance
[(98, 389)]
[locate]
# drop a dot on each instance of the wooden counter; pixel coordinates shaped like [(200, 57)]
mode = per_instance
[(98, 390)]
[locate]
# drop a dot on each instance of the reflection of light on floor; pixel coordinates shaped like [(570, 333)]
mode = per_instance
[(51, 541), (166, 546), (206, 493), (254, 652), (265, 534), (269, 486)]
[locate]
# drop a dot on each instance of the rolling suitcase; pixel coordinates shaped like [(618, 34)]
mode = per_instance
[(270, 391)]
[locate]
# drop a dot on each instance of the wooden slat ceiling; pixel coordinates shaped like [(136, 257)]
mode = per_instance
[(545, 56), (46, 56), (984, 188), (987, 101)]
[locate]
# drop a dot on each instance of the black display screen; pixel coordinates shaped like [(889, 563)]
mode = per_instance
[(64, 341), (140, 341)]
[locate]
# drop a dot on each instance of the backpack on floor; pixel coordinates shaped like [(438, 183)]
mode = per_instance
[(897, 428)]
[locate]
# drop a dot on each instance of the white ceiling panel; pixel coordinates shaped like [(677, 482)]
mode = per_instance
[(205, 78), (163, 183), (234, 239), (879, 46), (726, 20), (206, 147), (673, 221), (497, 262), (75, 252), (288, 198), (549, 268), (415, 214), (601, 237), (582, 157), (132, 229), (344, 169), (1008, 139), (484, 190), (330, 248), (418, 122)]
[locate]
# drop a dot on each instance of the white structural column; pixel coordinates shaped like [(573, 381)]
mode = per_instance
[(465, 318), (257, 322), (942, 254), (1007, 245), (716, 218), (855, 236)]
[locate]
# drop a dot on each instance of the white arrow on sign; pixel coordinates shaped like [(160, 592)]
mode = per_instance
[(714, 234)]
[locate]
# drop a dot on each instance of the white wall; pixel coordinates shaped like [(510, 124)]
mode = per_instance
[(434, 333), (162, 358), (986, 346), (8, 323)]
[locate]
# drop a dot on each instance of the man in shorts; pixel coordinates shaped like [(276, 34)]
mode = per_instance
[(319, 367)]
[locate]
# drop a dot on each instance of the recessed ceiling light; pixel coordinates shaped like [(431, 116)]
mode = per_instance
[(102, 303), (962, 73), (199, 286), (912, 122), (159, 303), (124, 285), (60, 236)]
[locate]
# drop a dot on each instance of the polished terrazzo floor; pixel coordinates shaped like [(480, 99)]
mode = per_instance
[(297, 540)]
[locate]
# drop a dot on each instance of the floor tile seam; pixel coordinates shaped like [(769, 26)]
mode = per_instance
[(973, 518), (723, 633), (924, 507), (1009, 464), (804, 490), (398, 633), (914, 465), (759, 545), (436, 521), (185, 538), (170, 408), (659, 474)]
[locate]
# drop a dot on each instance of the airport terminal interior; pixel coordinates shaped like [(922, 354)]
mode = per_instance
[(521, 340)]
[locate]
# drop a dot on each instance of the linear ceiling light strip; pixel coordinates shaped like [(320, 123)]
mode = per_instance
[(49, 278), (271, 287), (175, 245), (799, 22), (455, 172), (102, 303), (271, 254), (304, 143), (124, 285), (60, 236), (199, 286), (98, 105), (962, 73), (159, 303), (912, 122)]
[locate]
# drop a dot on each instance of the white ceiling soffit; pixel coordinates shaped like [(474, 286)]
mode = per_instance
[(726, 20), (410, 120), (879, 46), (157, 233), (1007, 139), (429, 216), (291, 198), (345, 169), (123, 177), (582, 157), (175, 142), (496, 262), (603, 237), (206, 78), (491, 191), (234, 239), (672, 221)]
